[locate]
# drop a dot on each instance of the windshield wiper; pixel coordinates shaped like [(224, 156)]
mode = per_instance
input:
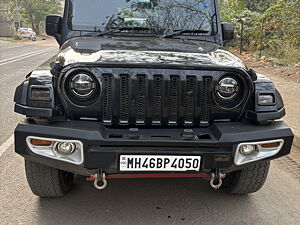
[(176, 33), (120, 29)]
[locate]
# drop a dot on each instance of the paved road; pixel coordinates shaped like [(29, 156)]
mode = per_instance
[(179, 201)]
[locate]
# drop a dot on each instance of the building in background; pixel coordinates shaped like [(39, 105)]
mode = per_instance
[(5, 22), (8, 25)]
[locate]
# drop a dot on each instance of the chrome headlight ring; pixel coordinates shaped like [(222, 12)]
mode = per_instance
[(82, 85), (227, 88)]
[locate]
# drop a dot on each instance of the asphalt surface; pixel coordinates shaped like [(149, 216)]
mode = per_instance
[(156, 201)]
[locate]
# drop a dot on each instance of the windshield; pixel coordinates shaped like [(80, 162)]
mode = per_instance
[(159, 16)]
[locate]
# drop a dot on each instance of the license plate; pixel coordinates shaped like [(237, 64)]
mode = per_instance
[(159, 163)]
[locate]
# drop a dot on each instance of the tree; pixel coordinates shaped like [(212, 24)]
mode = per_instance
[(281, 25), (271, 27), (259, 5), (34, 11)]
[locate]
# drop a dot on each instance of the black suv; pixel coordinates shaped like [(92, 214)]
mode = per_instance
[(144, 89)]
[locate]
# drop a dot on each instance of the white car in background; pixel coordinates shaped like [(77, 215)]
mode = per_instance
[(26, 33)]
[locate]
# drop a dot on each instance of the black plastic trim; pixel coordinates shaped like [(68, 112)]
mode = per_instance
[(265, 116), (35, 112), (102, 150)]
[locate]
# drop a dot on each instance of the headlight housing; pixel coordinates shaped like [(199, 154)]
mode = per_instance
[(227, 88), (82, 85), (231, 90)]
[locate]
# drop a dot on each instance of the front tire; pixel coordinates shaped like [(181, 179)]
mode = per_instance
[(47, 182), (248, 180)]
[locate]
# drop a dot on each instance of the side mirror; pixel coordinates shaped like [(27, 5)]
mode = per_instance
[(228, 31), (53, 26)]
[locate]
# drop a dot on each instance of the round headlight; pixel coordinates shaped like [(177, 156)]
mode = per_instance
[(82, 85), (227, 88)]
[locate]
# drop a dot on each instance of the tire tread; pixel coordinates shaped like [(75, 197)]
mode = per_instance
[(250, 179), (43, 181)]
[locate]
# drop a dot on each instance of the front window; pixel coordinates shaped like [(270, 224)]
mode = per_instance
[(158, 16)]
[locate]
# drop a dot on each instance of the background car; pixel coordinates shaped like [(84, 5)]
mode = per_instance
[(26, 33)]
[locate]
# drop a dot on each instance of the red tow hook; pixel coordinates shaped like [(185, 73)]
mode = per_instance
[(91, 178), (151, 175)]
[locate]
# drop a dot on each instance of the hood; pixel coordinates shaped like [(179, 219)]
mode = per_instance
[(145, 51)]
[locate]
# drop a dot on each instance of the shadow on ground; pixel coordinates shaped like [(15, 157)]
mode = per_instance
[(157, 201)]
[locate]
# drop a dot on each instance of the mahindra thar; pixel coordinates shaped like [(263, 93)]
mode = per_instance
[(144, 89)]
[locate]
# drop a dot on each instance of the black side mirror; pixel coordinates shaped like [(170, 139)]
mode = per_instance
[(53, 26), (228, 31)]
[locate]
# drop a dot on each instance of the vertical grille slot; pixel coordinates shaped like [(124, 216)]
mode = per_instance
[(174, 97), (107, 103), (205, 103), (157, 99), (190, 100), (140, 100), (124, 99)]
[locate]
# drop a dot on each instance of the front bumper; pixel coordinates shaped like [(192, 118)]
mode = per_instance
[(102, 146)]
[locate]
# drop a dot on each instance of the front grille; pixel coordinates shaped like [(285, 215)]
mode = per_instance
[(156, 100)]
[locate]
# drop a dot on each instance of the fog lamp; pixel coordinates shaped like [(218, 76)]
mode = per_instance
[(255, 151), (66, 148), (247, 149), (70, 151)]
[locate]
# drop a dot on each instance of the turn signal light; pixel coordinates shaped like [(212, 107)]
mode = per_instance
[(40, 94), (39, 142), (266, 99), (271, 145)]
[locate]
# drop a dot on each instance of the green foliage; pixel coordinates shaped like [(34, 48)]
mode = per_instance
[(34, 12), (259, 5), (232, 10), (271, 27)]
